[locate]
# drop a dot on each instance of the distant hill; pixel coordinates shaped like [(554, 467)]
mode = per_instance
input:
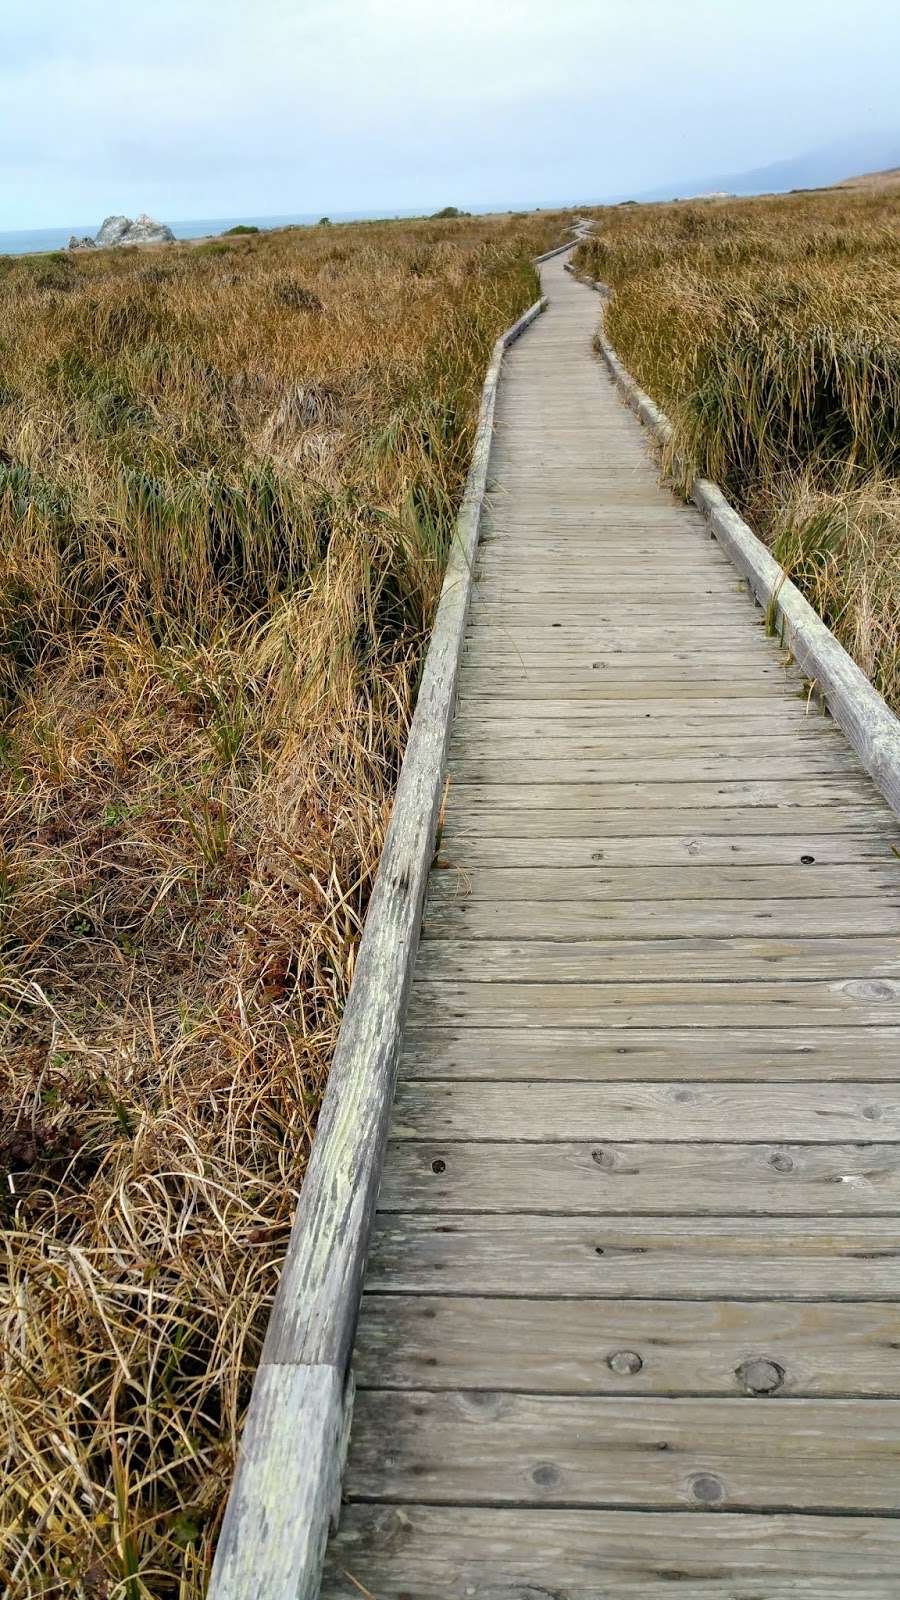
[(888, 179), (872, 155)]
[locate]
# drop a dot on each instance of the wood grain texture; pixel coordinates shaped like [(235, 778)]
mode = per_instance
[(850, 789), (470, 1447), (683, 1110), (790, 818), (532, 716), (285, 1498), (647, 743), (537, 960), (462, 851), (457, 916), (619, 1258), (720, 1004), (689, 880), (490, 688), (778, 1054), (630, 1178), (646, 1347), (687, 767), (437, 1552)]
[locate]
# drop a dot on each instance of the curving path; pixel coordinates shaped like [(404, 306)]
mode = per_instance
[(631, 1322)]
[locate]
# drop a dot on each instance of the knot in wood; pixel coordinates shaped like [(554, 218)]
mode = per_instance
[(707, 1489), (872, 989), (759, 1375), (781, 1161), (624, 1362)]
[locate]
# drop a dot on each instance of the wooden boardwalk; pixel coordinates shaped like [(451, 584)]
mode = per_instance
[(631, 1321)]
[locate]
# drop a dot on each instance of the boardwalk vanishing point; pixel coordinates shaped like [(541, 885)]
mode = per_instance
[(631, 1322)]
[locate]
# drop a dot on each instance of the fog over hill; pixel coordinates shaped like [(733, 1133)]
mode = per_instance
[(816, 169)]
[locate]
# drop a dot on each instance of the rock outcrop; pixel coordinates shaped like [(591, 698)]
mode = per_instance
[(116, 231), (143, 230), (113, 231)]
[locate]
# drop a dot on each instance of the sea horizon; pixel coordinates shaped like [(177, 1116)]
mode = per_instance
[(39, 241)]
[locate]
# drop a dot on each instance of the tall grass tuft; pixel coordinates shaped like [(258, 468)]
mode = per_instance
[(224, 512)]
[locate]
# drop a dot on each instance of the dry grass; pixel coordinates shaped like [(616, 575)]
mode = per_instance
[(769, 330), (227, 480)]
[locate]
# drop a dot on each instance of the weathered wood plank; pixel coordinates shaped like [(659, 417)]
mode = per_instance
[(702, 571), (637, 631), (460, 850), (791, 820), (284, 1500), (721, 1003), (661, 720), (456, 916), (577, 753), (682, 1110), (776, 711), (720, 613), (814, 759), (477, 1447), (689, 880), (584, 659), (493, 687), (538, 960), (438, 1172), (692, 590), (649, 1347), (849, 789), (782, 1053), (433, 1552), (605, 1257), (562, 676)]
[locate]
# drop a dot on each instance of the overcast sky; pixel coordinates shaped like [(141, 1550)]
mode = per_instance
[(212, 108)]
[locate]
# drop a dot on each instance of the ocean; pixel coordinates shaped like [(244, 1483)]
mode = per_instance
[(32, 241)]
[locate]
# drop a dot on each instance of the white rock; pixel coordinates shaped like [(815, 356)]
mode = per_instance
[(113, 231), (143, 230)]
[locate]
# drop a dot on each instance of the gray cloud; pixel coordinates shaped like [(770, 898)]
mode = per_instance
[(221, 106)]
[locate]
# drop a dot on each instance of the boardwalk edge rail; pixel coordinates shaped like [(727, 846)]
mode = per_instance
[(852, 699), (285, 1495)]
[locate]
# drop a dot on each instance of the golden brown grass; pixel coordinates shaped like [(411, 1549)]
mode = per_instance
[(769, 330), (227, 480)]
